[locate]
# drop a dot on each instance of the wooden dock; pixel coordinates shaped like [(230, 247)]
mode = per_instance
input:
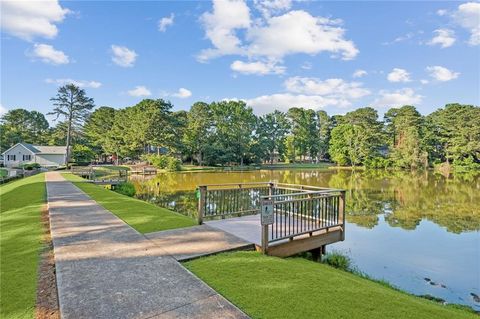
[(101, 175), (143, 170), (280, 219)]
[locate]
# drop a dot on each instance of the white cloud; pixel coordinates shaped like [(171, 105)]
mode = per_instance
[(165, 22), (300, 33), (182, 93), (406, 96), (232, 31), (3, 110), (310, 93), (444, 37), (79, 83), (441, 12), (140, 91), (123, 56), (220, 27), (441, 73), (48, 54), (30, 19), (306, 66), (398, 75), (283, 101), (467, 16), (359, 73), (333, 88), (259, 68), (424, 81), (270, 7)]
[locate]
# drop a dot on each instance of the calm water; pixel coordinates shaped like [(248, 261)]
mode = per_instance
[(420, 232)]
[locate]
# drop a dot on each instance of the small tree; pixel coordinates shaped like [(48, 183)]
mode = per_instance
[(71, 103), (82, 154)]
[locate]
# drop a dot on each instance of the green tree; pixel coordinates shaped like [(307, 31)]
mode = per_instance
[(20, 125), (304, 129), (82, 154), (357, 137), (404, 128), (233, 127), (456, 134), (198, 131), (272, 129), (97, 128), (58, 134), (74, 106), (324, 126)]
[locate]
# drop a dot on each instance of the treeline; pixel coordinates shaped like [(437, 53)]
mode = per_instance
[(229, 133)]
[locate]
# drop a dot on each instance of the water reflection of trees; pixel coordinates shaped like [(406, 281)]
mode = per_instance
[(405, 198)]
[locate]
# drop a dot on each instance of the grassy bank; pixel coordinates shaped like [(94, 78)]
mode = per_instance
[(269, 287), (142, 216), (20, 245)]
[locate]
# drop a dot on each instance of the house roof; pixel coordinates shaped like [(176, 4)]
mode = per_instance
[(40, 149), (50, 149)]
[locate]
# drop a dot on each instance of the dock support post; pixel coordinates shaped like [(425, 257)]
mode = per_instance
[(317, 254), (341, 212), (201, 203)]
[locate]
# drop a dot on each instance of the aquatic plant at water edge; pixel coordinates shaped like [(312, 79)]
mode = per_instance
[(126, 188), (338, 260)]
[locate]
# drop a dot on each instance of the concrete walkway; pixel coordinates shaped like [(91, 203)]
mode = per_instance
[(197, 241), (106, 269)]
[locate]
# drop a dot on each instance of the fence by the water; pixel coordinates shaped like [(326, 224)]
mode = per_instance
[(297, 210), (101, 174)]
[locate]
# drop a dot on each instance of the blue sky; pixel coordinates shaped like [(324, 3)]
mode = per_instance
[(336, 56)]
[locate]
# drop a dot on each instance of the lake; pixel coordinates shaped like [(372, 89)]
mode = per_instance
[(418, 231)]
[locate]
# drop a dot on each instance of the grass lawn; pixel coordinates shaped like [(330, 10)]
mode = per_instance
[(20, 245), (142, 216), (270, 287)]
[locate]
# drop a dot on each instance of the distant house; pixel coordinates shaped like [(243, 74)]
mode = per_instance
[(23, 153)]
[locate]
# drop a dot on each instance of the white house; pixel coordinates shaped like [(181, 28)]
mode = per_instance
[(23, 153)]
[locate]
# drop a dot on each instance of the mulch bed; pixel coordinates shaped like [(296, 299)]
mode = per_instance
[(47, 296)]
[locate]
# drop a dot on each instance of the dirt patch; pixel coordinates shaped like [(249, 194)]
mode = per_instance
[(47, 296)]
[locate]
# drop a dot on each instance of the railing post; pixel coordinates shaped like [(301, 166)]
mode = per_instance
[(341, 212), (270, 189), (264, 239), (201, 203)]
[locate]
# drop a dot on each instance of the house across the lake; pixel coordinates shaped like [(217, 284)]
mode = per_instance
[(24, 153)]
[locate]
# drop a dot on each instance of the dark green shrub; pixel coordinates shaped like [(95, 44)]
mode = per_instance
[(338, 260), (126, 188), (164, 162), (30, 166)]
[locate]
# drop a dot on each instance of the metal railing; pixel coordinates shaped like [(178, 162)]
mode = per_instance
[(100, 174), (223, 200), (297, 209), (304, 213)]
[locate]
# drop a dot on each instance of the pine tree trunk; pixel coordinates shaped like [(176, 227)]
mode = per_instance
[(69, 132)]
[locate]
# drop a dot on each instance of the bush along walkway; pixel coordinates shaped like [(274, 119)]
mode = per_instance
[(106, 269)]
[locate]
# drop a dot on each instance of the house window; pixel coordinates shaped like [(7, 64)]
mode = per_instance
[(12, 157), (27, 157)]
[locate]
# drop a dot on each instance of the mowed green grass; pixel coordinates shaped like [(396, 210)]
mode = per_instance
[(21, 204), (270, 287), (142, 216)]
